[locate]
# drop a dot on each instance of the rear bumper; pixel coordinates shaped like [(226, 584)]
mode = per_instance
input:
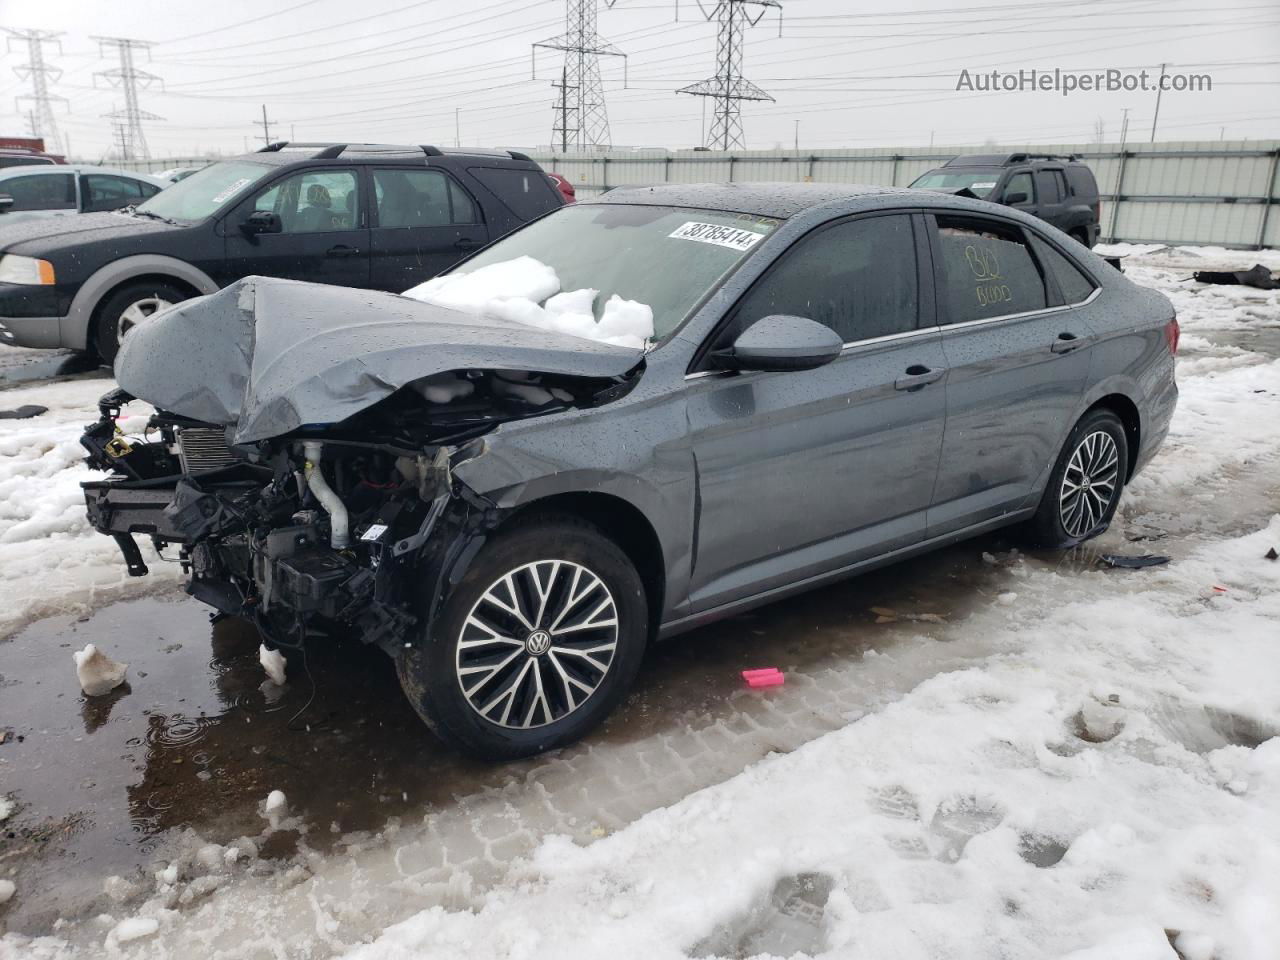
[(43, 332)]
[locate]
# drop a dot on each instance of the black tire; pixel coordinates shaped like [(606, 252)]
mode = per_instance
[(431, 670), (1071, 510), (146, 295)]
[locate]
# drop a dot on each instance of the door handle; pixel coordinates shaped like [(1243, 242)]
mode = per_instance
[(1066, 342), (342, 250), (918, 376), (465, 243)]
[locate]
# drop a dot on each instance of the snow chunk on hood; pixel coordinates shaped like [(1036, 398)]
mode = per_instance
[(528, 291)]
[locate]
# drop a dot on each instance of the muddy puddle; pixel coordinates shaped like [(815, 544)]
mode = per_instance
[(196, 739)]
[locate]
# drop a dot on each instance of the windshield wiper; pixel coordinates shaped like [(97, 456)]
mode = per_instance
[(135, 212)]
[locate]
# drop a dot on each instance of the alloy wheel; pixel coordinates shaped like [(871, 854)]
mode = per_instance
[(1089, 483), (138, 311), (537, 644)]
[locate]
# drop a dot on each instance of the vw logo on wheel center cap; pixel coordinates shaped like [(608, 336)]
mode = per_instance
[(537, 643)]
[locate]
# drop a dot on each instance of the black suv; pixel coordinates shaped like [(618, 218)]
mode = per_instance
[(358, 215), (1059, 189)]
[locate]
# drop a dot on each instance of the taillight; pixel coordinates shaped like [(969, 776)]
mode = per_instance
[(1171, 334)]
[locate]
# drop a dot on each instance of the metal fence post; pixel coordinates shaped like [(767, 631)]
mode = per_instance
[(1270, 198), (1115, 202)]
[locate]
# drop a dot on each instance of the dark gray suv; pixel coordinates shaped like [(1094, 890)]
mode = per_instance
[(837, 377), (1059, 189)]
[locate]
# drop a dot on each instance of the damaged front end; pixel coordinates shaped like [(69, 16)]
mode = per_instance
[(358, 523)]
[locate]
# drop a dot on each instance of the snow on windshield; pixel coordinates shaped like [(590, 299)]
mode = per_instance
[(527, 291)]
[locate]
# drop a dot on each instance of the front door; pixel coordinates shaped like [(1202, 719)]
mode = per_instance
[(801, 473), (1018, 363), (323, 238), (424, 223)]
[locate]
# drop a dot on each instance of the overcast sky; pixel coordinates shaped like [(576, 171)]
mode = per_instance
[(852, 73)]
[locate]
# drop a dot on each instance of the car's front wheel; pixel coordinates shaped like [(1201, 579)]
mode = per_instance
[(535, 646), (1085, 485), (127, 307)]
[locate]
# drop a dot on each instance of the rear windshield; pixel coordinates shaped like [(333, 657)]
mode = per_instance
[(206, 191), (980, 183)]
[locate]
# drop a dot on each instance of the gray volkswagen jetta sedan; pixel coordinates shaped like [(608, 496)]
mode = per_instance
[(838, 377)]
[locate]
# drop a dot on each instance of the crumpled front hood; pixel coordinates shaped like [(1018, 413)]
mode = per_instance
[(268, 356)]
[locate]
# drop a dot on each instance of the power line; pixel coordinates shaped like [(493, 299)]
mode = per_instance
[(582, 119), (131, 142), (40, 113), (729, 87)]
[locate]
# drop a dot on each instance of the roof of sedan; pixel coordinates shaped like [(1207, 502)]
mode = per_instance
[(781, 200)]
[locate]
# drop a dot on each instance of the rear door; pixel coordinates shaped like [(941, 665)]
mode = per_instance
[(324, 233), (1018, 360), (1051, 189), (803, 472), (424, 222)]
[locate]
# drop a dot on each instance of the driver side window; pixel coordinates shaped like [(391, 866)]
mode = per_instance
[(857, 277), (314, 201), (1019, 183)]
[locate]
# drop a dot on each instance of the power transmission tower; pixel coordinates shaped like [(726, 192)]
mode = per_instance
[(729, 87), (581, 119), (40, 112), (133, 142)]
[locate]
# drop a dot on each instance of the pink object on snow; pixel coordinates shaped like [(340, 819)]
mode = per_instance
[(764, 677)]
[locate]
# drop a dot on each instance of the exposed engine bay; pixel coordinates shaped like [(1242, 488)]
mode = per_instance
[(360, 523)]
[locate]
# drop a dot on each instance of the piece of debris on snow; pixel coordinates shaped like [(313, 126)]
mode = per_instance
[(1256, 276), (24, 412), (764, 677), (98, 674), (1271, 555), (276, 808), (890, 615), (273, 662), (1100, 721), (7, 890), (135, 928), (1133, 562)]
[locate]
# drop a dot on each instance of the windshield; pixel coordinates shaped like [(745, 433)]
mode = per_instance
[(979, 184), (666, 258), (205, 192)]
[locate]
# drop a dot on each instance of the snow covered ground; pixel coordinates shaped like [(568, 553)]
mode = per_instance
[(1095, 775)]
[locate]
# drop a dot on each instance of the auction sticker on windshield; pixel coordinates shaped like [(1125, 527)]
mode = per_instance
[(232, 189), (718, 234)]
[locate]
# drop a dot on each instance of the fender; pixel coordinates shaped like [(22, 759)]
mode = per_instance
[(74, 327)]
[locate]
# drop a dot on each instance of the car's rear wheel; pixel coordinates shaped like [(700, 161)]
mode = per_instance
[(1085, 485), (535, 646), (127, 307)]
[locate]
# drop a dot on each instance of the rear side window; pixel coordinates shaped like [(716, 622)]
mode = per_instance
[(1081, 183), (858, 278), (1075, 286), (987, 270), (419, 198), (103, 192), (527, 193), (54, 192), (1049, 186)]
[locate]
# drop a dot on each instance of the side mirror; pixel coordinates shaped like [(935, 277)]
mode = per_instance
[(261, 221), (781, 342), (1012, 198), (6, 202)]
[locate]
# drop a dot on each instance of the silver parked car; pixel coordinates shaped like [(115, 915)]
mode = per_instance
[(836, 378), (54, 190)]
